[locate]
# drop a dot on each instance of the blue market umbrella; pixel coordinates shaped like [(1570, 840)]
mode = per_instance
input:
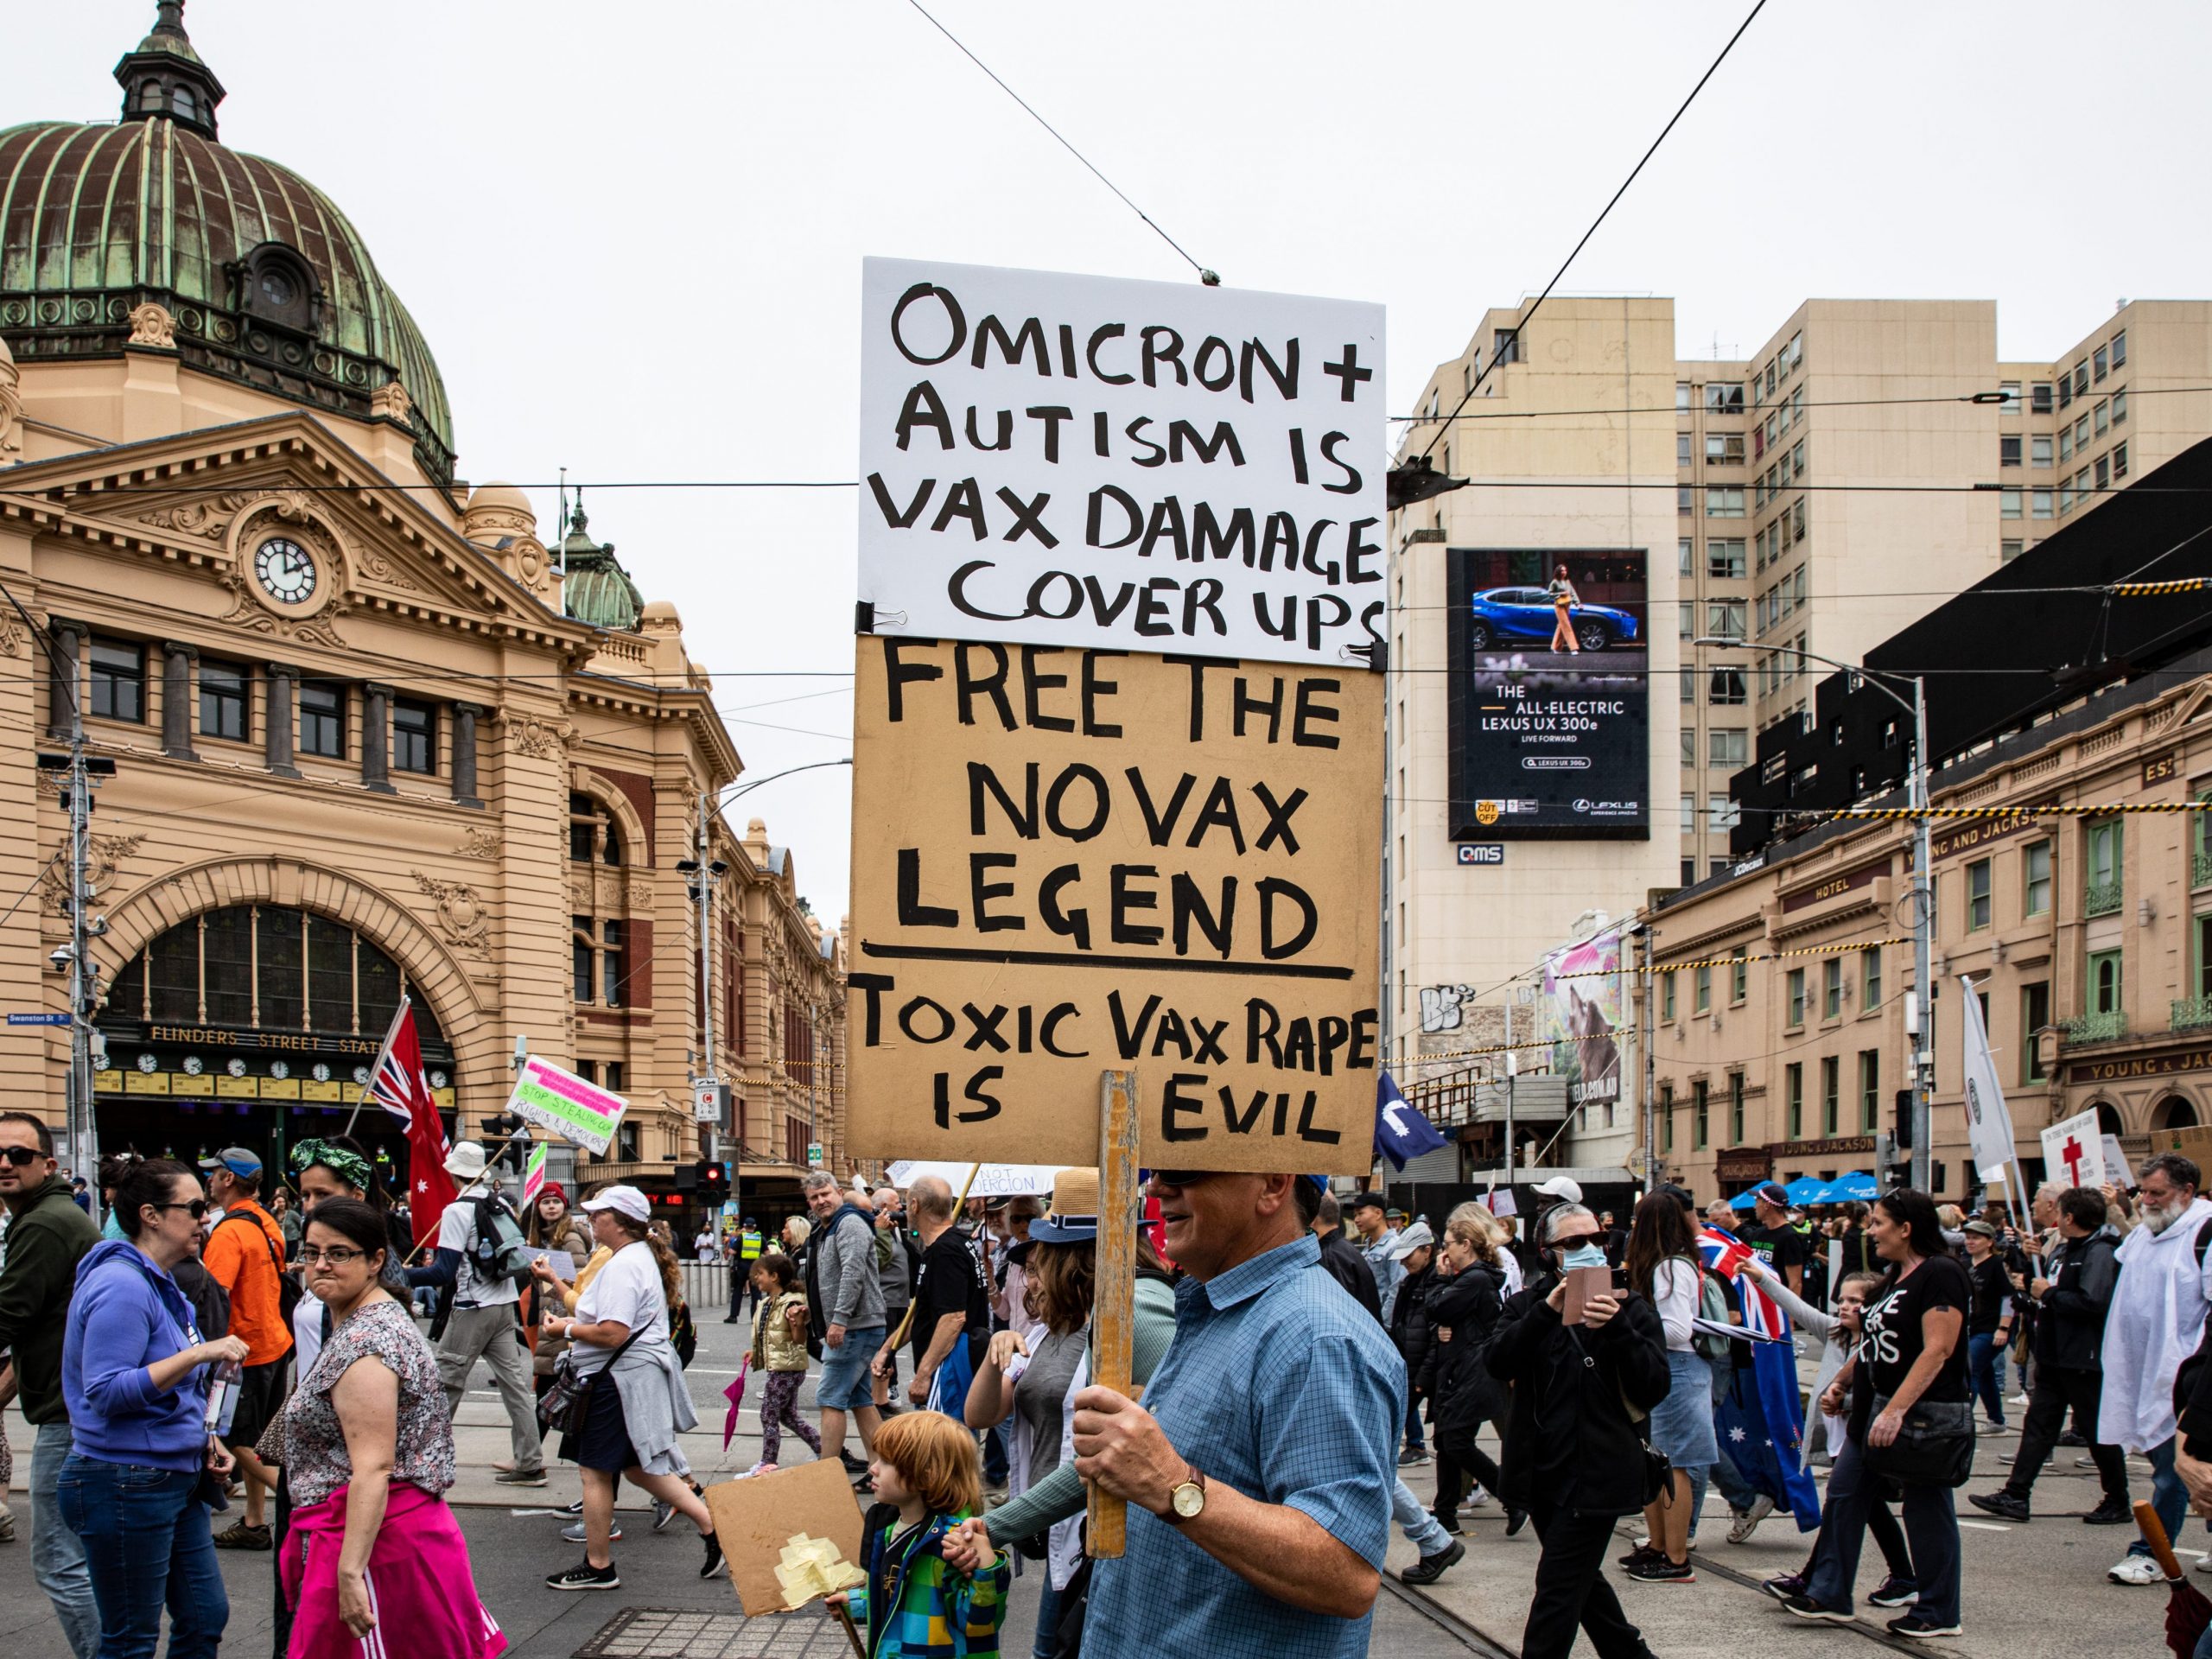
[(1806, 1189), (1741, 1201), (1857, 1187)]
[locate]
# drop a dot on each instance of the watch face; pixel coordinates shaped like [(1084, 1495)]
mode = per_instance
[(285, 570), (1189, 1499), (146, 1063), (235, 1068)]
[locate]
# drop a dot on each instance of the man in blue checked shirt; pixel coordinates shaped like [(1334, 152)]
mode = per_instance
[(1260, 1468)]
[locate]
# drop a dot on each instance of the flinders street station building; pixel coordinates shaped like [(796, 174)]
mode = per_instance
[(374, 731)]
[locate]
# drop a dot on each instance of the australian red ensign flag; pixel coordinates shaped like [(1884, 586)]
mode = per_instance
[(399, 1086)]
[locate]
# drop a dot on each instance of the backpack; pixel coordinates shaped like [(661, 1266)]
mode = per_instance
[(498, 1254), (289, 1290), (1712, 1307)]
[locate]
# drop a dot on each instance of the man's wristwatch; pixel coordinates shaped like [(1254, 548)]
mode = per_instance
[(1186, 1501)]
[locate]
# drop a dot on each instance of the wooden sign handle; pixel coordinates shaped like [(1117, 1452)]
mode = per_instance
[(2154, 1535), (1114, 1313)]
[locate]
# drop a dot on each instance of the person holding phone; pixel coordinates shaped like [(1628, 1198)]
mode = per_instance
[(134, 1373), (1576, 1455)]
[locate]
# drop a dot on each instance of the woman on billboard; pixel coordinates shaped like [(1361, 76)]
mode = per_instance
[(1565, 602)]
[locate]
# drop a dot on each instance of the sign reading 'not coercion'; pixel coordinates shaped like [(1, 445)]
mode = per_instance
[(1156, 466), (1067, 861), (568, 1105)]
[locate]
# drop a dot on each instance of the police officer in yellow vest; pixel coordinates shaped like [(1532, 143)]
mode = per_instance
[(749, 1245)]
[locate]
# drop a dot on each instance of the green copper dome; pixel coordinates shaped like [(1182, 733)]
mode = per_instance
[(268, 282), (596, 588)]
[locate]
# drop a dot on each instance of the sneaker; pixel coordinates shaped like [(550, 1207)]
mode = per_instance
[(1894, 1591), (1430, 1568), (576, 1508), (521, 1476), (2010, 1505), (663, 1512), (2204, 1563), (853, 1466), (1788, 1584), (763, 1468), (239, 1536), (574, 1532), (1640, 1555), (1663, 1571), (2072, 1437), (1806, 1607), (1409, 1456), (714, 1560), (1985, 1426), (1515, 1519), (2130, 1569), (2112, 1512), (2085, 1463), (1478, 1499), (1747, 1522), (7, 1525), (1917, 1624), (584, 1576), (1449, 1523)]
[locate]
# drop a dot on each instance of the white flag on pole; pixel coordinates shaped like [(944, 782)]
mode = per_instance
[(1989, 1125)]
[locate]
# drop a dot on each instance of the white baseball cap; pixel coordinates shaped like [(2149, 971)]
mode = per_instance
[(1560, 1187), (623, 1200)]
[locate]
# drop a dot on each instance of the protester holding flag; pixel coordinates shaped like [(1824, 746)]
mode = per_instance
[(1759, 1416), (1913, 1352), (1664, 1268)]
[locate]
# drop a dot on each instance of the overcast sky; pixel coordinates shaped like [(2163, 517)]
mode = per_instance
[(633, 234)]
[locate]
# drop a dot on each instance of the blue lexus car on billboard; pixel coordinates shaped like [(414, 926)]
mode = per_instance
[(1524, 615)]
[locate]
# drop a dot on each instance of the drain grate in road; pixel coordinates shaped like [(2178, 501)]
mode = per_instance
[(673, 1633)]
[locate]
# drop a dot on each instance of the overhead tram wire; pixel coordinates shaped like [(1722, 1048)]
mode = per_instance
[(1988, 399), (1529, 315), (1204, 276)]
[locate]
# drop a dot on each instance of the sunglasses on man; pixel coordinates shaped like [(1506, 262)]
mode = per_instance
[(22, 1157)]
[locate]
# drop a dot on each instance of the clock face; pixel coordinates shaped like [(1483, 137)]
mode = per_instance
[(361, 1075), (320, 1072), (235, 1068), (286, 571), (147, 1062), (194, 1065), (437, 1079), (279, 1069)]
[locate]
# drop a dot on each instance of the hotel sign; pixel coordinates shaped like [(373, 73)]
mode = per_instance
[(1847, 881)]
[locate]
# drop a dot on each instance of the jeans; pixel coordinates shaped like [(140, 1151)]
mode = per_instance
[(1985, 1371), (2168, 1496), (57, 1553), (994, 1462), (1420, 1527), (1931, 1525), (147, 1546), (1046, 1642), (1572, 1590), (1415, 1439)]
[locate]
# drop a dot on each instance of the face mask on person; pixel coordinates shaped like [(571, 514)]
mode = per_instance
[(1585, 1254)]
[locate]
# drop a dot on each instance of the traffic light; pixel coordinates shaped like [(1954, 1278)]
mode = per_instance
[(714, 1181), (687, 1178)]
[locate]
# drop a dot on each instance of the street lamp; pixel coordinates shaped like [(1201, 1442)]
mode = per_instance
[(1923, 891)]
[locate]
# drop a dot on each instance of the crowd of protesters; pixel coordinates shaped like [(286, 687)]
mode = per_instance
[(1295, 1354)]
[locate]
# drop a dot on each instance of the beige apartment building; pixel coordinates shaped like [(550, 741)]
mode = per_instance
[(370, 735), (1871, 459), (1779, 997)]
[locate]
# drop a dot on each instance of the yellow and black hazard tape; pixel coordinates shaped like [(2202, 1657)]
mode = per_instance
[(2151, 589), (1407, 1056), (1900, 814), (1772, 955)]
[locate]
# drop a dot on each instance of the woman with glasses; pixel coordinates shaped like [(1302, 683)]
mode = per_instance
[(134, 1375), (374, 1558)]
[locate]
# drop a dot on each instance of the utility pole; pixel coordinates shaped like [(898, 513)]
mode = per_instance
[(1924, 944), (1512, 1069), (1647, 1031), (704, 872)]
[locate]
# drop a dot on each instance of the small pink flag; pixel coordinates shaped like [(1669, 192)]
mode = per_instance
[(735, 1394)]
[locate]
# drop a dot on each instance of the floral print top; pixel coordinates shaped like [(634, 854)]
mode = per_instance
[(315, 1443)]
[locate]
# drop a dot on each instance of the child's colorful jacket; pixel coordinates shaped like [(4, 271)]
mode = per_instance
[(916, 1607)]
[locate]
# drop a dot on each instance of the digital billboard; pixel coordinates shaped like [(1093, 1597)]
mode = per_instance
[(1547, 650)]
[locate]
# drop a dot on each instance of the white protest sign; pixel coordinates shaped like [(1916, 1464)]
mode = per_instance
[(2072, 1150), (563, 1102), (2117, 1167), (1077, 460)]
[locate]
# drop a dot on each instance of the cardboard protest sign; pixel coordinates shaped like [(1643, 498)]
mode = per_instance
[(757, 1519), (563, 1102), (2072, 1150), (1076, 461), (1070, 862)]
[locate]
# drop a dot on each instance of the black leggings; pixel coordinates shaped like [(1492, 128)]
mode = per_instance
[(1455, 1461)]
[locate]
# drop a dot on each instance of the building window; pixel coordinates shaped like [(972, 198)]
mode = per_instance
[(2120, 349), (592, 832), (2065, 443), (1735, 1108), (1689, 814), (1728, 749), (1667, 997), (1685, 501), (2065, 389), (1831, 1093), (414, 736), (2008, 452), (1793, 1095), (1724, 504), (2009, 550), (2081, 433), (1701, 988), (1681, 449), (223, 696), (2100, 414), (322, 718), (1724, 398), (2119, 461), (1683, 395), (2035, 1014), (2119, 406), (1724, 560), (1683, 564), (1723, 449), (2035, 880), (1685, 613), (2039, 503), (1832, 988), (1797, 982), (118, 681), (1726, 688), (580, 951), (2008, 504), (1978, 887), (1689, 871), (1666, 1117), (1725, 619), (2010, 392), (1700, 1106), (1505, 347), (612, 972), (2081, 377), (2039, 397), (2103, 365), (1721, 813), (2104, 981), (1870, 1090), (1739, 972), (2039, 451), (1870, 978), (2103, 884), (1689, 746), (2104, 472)]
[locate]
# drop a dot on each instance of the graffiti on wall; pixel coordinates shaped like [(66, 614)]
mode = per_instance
[(1444, 1007)]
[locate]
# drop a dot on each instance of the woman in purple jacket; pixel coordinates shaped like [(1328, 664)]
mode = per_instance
[(134, 1372)]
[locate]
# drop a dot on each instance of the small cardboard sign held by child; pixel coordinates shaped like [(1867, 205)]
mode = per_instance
[(789, 1537)]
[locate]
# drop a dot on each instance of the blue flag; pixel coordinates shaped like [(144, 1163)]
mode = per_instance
[(1761, 1430), (1401, 1131)]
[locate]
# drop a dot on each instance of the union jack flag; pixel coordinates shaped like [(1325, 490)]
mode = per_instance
[(399, 1086), (1725, 1254)]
